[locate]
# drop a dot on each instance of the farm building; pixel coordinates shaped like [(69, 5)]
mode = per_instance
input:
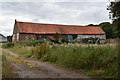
[(26, 30), (3, 39)]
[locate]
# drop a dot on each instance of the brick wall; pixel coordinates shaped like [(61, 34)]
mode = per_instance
[(25, 36)]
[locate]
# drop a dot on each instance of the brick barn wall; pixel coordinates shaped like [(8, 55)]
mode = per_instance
[(24, 36), (49, 35), (14, 38)]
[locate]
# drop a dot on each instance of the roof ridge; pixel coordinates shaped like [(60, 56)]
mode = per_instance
[(2, 35), (56, 24), (41, 28)]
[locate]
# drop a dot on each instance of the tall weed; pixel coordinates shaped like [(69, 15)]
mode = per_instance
[(39, 50), (99, 57)]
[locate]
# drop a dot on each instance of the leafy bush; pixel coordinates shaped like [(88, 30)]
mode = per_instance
[(39, 51), (8, 45), (29, 43)]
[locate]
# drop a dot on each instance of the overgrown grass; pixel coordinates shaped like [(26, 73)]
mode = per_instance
[(8, 45), (101, 60), (95, 60), (26, 51), (7, 69), (0, 45), (23, 47)]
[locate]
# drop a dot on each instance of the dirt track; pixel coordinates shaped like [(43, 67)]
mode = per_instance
[(43, 70)]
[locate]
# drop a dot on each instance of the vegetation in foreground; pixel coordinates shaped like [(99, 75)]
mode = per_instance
[(19, 60), (99, 61), (95, 60), (7, 69)]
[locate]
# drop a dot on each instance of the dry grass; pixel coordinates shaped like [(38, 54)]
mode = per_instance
[(20, 60)]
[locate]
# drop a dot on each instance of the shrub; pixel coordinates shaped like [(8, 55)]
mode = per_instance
[(8, 45), (39, 51), (29, 43)]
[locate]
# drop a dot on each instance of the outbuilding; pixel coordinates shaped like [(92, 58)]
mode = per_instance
[(27, 30), (3, 39)]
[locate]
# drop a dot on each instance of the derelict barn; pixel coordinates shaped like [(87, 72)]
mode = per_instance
[(26, 30)]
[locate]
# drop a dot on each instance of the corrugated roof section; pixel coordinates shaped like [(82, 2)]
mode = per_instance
[(39, 28)]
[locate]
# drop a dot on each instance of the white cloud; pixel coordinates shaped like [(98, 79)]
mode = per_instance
[(54, 0)]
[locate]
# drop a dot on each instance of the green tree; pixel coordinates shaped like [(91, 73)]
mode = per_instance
[(107, 27), (114, 13), (9, 38), (114, 8), (92, 25)]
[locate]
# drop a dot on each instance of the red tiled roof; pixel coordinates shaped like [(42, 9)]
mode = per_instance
[(39, 28)]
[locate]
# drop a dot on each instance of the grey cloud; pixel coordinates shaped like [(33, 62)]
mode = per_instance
[(54, 0), (77, 13)]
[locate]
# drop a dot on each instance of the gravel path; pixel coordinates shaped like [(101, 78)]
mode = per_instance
[(43, 70)]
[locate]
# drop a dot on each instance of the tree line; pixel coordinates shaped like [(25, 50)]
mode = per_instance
[(108, 28), (112, 29)]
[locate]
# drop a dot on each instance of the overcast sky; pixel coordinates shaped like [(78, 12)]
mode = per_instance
[(54, 12)]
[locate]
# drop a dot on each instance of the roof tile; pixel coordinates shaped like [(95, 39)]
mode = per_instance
[(39, 28)]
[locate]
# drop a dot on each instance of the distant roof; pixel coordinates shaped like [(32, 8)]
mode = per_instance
[(40, 28), (2, 35)]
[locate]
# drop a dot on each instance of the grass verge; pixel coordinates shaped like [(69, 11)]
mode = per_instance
[(20, 60), (7, 69), (25, 51)]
